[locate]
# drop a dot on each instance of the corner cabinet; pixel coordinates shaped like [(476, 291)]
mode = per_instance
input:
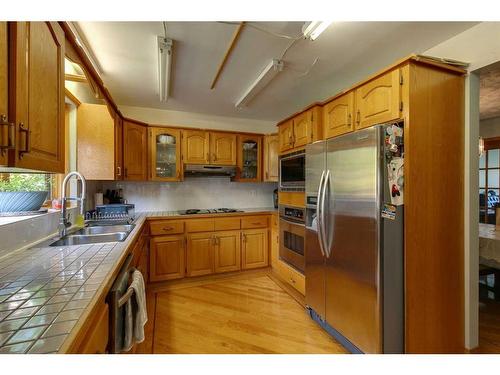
[(379, 100), (222, 148), (37, 49), (271, 152), (249, 158), (135, 149), (165, 153), (167, 258), (338, 116), (5, 127)]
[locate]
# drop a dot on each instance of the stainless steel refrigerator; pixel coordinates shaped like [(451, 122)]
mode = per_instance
[(354, 256)]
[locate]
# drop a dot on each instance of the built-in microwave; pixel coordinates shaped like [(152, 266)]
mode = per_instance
[(292, 174)]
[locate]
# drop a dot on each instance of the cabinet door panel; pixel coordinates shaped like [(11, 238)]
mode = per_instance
[(227, 253), (200, 260), (285, 132), (249, 158), (195, 146), (222, 148), (302, 129), (4, 76), (165, 146), (271, 147), (378, 101), (254, 248), (338, 115), (39, 77), (118, 147), (167, 257), (135, 147)]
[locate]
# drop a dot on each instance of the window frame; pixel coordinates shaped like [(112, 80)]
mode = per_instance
[(489, 144)]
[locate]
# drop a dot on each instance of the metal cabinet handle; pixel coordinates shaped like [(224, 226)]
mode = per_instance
[(358, 117), (349, 121), (119, 171), (292, 280), (11, 133), (244, 237), (27, 143), (214, 156), (208, 156), (166, 229)]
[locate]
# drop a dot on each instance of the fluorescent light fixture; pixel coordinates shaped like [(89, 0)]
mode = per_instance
[(164, 66), (313, 29), (270, 71)]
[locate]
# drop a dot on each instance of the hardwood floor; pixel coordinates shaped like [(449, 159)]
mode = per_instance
[(242, 315), (489, 327)]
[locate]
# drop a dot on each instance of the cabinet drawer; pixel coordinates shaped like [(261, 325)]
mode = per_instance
[(227, 223), (254, 222), (203, 225), (166, 227), (292, 277)]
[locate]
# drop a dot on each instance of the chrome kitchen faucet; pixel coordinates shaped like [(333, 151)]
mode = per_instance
[(64, 223)]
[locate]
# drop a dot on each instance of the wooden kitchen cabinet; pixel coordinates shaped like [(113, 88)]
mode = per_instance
[(249, 158), (167, 258), (286, 136), (303, 129), (199, 256), (5, 127), (222, 148), (271, 152), (95, 142), (195, 146), (135, 146), (165, 153), (254, 248), (227, 252), (96, 340), (118, 147), (378, 101), (338, 116), (274, 241), (37, 49)]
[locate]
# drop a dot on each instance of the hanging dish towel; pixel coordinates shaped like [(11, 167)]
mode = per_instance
[(136, 314)]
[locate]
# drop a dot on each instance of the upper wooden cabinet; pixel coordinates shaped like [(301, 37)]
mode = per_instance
[(167, 258), (338, 116), (222, 148), (271, 147), (38, 95), (118, 147), (95, 142), (378, 101), (165, 152), (302, 129), (195, 146), (249, 158), (135, 146), (5, 127)]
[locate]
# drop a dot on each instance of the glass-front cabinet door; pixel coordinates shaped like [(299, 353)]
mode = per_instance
[(166, 164), (249, 158)]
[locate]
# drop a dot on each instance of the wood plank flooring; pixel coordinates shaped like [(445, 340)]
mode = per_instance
[(489, 327), (247, 315)]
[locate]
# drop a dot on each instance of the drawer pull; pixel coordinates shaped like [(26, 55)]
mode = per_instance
[(292, 280), (166, 229)]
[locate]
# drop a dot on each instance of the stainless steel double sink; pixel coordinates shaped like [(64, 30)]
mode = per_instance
[(96, 234)]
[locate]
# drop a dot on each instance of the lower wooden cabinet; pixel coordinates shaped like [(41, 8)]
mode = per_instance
[(199, 256), (254, 250), (227, 251), (96, 340), (167, 258)]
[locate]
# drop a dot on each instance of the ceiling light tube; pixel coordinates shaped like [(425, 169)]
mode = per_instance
[(313, 29), (269, 72), (164, 66)]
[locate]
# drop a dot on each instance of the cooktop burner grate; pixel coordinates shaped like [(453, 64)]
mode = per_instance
[(195, 211)]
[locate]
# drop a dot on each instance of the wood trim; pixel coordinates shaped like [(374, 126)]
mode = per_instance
[(230, 48), (75, 78), (71, 97)]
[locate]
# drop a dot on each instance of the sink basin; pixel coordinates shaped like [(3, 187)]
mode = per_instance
[(83, 239), (105, 229)]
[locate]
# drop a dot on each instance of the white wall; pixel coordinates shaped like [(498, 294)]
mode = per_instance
[(490, 128), (196, 120), (194, 192), (479, 47)]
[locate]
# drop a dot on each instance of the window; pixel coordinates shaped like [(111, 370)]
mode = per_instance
[(29, 182), (489, 181)]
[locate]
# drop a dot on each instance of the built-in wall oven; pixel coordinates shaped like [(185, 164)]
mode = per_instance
[(292, 174), (292, 236)]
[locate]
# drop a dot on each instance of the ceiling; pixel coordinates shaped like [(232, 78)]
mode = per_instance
[(347, 51), (489, 92)]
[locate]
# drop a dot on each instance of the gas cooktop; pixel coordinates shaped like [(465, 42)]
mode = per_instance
[(195, 211)]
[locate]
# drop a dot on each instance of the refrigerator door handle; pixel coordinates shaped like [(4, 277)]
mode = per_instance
[(326, 234), (318, 214)]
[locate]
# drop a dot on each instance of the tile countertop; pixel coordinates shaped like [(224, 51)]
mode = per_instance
[(47, 293)]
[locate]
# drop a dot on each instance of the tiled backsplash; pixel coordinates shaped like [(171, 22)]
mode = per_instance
[(194, 192)]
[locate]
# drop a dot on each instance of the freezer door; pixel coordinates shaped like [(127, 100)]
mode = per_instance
[(315, 261), (352, 219)]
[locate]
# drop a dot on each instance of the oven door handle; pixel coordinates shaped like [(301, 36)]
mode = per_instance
[(319, 214), (291, 221)]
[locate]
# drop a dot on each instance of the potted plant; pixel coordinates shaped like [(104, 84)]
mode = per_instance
[(23, 192)]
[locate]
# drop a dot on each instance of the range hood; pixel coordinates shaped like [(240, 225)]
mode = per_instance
[(196, 170)]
